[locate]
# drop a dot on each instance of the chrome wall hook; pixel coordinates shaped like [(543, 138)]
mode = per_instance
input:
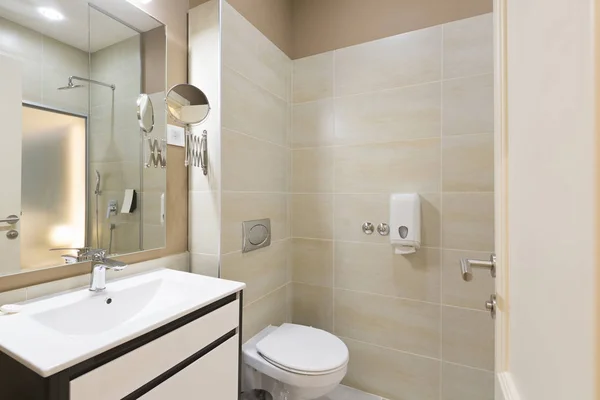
[(383, 229)]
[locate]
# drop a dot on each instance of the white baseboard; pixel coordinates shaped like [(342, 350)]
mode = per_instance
[(505, 387)]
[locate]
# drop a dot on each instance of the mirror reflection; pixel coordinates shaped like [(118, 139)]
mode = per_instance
[(81, 88), (187, 104), (145, 113)]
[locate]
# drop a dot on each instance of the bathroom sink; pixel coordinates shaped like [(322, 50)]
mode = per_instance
[(54, 333)]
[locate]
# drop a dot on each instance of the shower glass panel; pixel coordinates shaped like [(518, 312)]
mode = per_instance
[(53, 185)]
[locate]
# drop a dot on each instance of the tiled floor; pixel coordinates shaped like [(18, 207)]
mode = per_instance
[(347, 393)]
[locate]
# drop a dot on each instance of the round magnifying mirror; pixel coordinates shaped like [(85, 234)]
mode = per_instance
[(187, 104), (145, 113)]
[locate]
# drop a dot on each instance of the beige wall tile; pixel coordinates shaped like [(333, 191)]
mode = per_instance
[(468, 337), (374, 268), (151, 203), (312, 261), (20, 42), (153, 236), (60, 55), (252, 165), (312, 306), (431, 219), (312, 170), (457, 292), (468, 163), (252, 110), (351, 210), (468, 221), (249, 52), (263, 270), (392, 374), (400, 60), (410, 166), (269, 310), (386, 116), (204, 264), (313, 78), (70, 100), (312, 124), (468, 47), (405, 325), (32, 81), (468, 105), (238, 207), (462, 383), (203, 223), (312, 216)]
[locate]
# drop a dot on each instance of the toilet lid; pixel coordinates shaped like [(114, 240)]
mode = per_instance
[(303, 349)]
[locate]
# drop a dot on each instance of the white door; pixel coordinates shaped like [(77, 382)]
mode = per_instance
[(547, 130), (10, 161)]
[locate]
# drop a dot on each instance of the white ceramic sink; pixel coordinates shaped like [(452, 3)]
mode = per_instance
[(55, 333)]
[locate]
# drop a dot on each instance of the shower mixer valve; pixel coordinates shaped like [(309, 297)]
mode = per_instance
[(112, 208)]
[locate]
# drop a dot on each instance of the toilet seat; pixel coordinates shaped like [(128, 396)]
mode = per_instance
[(308, 373), (303, 350)]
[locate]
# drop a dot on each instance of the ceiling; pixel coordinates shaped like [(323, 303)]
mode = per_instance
[(73, 29)]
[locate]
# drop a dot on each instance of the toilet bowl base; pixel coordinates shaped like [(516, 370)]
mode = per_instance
[(254, 379)]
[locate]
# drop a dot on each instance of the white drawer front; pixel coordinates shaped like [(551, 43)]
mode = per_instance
[(122, 376), (214, 376)]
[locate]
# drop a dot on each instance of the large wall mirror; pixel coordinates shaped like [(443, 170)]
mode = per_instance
[(78, 171)]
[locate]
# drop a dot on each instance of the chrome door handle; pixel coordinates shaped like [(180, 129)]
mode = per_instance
[(11, 219), (491, 305), (466, 265)]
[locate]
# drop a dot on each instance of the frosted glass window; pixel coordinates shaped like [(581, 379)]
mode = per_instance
[(53, 185)]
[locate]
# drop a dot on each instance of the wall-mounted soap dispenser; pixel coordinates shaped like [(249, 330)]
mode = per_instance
[(405, 222)]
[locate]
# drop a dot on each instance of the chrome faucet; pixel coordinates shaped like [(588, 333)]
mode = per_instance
[(83, 254), (99, 266)]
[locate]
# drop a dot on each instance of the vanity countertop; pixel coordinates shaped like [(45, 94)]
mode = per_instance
[(57, 332)]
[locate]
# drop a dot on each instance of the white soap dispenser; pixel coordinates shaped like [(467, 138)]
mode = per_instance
[(405, 222)]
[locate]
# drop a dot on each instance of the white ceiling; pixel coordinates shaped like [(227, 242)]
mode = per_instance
[(73, 29)]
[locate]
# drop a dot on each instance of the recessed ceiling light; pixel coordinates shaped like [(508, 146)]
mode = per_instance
[(51, 13)]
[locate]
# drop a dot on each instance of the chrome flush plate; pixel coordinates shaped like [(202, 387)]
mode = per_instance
[(256, 234)]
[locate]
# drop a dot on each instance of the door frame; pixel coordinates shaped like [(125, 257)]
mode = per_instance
[(504, 386)]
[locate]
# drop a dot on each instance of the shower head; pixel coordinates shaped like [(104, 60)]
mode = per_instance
[(97, 191), (70, 85)]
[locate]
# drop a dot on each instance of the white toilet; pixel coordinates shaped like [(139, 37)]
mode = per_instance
[(304, 362)]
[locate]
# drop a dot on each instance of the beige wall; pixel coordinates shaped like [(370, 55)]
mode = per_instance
[(272, 17), (306, 27), (379, 118), (320, 26), (256, 82), (204, 191), (249, 160)]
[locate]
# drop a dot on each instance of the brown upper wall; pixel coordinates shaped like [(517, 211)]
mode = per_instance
[(325, 25), (272, 17), (306, 27)]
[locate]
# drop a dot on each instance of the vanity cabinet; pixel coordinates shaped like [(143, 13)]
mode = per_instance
[(194, 357)]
